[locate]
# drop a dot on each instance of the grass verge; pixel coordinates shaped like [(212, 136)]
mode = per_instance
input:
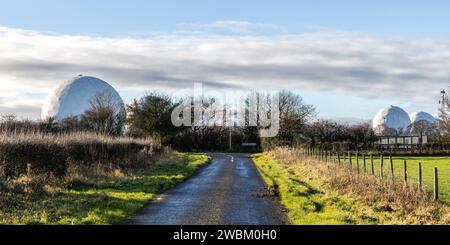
[(315, 193), (105, 200)]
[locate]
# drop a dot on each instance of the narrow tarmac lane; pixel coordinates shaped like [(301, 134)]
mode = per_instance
[(229, 191)]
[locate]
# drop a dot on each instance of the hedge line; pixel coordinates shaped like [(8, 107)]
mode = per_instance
[(52, 154)]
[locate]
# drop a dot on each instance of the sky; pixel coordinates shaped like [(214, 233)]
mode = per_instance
[(348, 58)]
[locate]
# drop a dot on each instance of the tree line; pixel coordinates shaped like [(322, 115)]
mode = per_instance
[(150, 116)]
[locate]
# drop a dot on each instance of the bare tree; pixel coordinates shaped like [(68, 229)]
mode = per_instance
[(326, 132), (422, 127), (106, 114), (8, 118), (444, 121), (294, 114)]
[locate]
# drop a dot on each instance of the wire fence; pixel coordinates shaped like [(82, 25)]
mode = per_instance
[(380, 166)]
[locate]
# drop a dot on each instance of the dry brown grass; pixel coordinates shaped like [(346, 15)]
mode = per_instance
[(55, 153), (66, 138), (32, 163), (405, 203)]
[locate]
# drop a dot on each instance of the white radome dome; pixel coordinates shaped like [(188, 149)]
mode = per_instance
[(74, 97), (391, 120), (422, 116)]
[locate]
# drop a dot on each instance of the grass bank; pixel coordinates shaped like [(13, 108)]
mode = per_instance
[(318, 193), (97, 200)]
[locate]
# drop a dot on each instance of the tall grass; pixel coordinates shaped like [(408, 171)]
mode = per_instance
[(54, 154), (404, 201)]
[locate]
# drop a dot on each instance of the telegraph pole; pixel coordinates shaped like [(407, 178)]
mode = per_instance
[(229, 138), (230, 125), (442, 102), (442, 112)]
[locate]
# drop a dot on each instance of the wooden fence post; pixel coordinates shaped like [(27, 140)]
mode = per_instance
[(392, 167), (436, 186), (28, 169), (364, 163), (405, 171), (339, 158), (372, 169), (419, 179), (381, 166), (350, 159), (357, 162)]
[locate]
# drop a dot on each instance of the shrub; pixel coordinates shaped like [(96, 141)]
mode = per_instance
[(52, 154), (43, 158)]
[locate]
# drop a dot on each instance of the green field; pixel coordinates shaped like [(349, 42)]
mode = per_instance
[(106, 200), (428, 165)]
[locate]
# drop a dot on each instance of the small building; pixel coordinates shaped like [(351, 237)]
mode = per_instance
[(406, 142)]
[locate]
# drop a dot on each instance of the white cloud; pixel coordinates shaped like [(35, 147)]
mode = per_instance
[(20, 106), (238, 27), (355, 63)]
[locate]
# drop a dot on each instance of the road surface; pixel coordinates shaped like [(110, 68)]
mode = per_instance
[(228, 191)]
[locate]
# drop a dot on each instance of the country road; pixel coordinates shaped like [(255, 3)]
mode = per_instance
[(228, 191)]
